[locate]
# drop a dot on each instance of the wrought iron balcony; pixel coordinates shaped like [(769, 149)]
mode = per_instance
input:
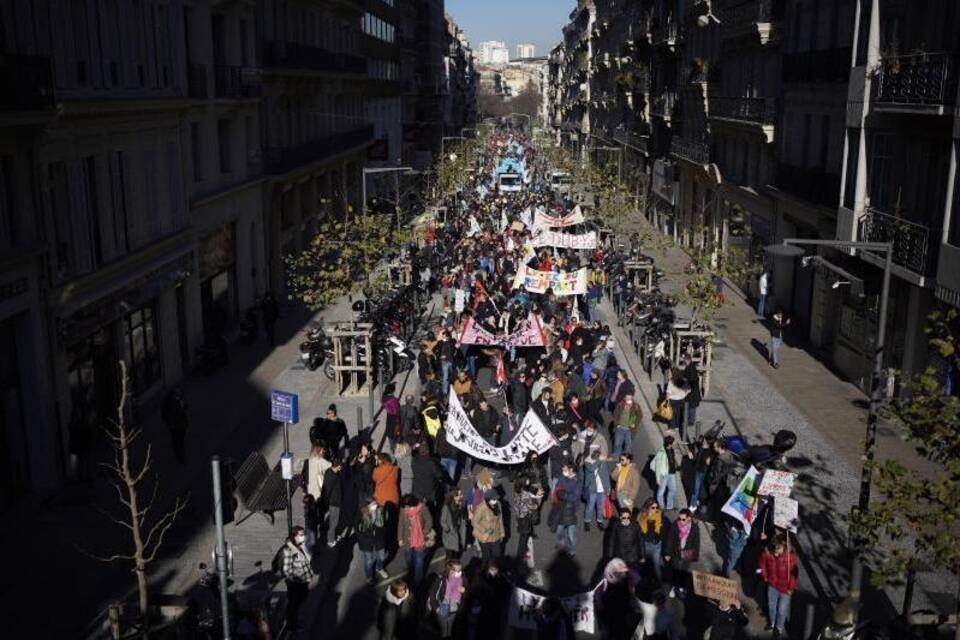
[(760, 111), (26, 83), (229, 81), (813, 185), (280, 160), (291, 55), (922, 80), (663, 34), (690, 150), (662, 105), (632, 139), (914, 247), (197, 80)]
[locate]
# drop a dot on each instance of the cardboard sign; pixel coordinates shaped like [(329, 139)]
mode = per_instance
[(524, 604), (715, 587), (786, 513), (776, 483)]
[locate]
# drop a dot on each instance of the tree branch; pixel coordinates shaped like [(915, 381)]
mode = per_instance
[(147, 464), (162, 526), (103, 512), (99, 558)]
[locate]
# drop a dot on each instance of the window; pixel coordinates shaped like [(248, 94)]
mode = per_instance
[(60, 204), (853, 155), (244, 54), (141, 338), (90, 176), (8, 215), (195, 152), (118, 192), (223, 144)]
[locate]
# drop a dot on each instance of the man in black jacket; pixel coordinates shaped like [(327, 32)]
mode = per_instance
[(427, 476), (330, 431), (410, 421), (486, 421), (332, 497), (519, 394)]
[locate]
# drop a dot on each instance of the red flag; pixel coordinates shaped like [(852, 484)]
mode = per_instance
[(501, 370)]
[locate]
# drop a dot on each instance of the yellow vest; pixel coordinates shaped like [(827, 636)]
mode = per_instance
[(432, 424)]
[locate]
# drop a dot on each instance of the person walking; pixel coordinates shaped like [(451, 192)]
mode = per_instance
[(372, 541), (626, 481), (563, 514), (626, 541), (691, 379), (269, 312), (677, 393), (736, 542), (416, 535), (397, 616), (681, 545), (313, 475), (526, 506), (447, 593), (779, 322), (332, 499), (779, 568), (487, 521), (175, 417), (664, 467), (762, 289), (595, 480), (627, 416), (453, 523), (298, 575)]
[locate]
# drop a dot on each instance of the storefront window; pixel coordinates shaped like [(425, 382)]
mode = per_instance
[(141, 336)]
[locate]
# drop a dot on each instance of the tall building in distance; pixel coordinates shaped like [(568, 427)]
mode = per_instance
[(493, 52), (526, 50)]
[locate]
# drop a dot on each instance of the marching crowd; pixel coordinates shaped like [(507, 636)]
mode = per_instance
[(424, 497)]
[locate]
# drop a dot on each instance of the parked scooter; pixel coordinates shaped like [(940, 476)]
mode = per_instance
[(316, 348)]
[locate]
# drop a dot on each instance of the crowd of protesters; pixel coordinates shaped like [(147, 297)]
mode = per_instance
[(425, 499)]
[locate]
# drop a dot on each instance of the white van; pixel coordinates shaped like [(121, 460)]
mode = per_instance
[(560, 182), (510, 182)]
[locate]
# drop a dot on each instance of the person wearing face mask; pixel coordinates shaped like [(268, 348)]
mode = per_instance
[(446, 595), (397, 617), (372, 541), (297, 573), (627, 418), (487, 521)]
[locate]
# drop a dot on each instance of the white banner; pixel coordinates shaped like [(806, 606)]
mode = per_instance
[(532, 436), (547, 238), (541, 219), (524, 604), (562, 283)]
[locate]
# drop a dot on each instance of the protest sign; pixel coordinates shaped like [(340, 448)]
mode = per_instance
[(547, 238), (742, 503), (524, 604), (542, 219), (776, 483), (532, 436), (528, 334), (786, 513), (562, 283), (715, 587)]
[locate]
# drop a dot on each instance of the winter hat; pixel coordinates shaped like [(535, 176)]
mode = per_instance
[(490, 494)]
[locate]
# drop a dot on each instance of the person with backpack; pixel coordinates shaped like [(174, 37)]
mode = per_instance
[(372, 541), (447, 593), (627, 416), (297, 572)]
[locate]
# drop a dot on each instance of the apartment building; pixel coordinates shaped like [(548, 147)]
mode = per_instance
[(460, 82)]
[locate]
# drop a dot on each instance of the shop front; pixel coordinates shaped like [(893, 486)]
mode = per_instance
[(217, 275)]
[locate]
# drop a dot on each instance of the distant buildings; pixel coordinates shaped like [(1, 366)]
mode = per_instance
[(526, 51), (493, 52)]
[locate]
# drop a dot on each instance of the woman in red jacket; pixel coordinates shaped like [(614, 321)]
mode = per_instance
[(779, 568)]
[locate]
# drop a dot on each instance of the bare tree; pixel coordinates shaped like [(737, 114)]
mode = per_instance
[(146, 532)]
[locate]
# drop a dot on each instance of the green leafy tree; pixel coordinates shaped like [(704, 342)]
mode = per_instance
[(342, 259), (916, 518)]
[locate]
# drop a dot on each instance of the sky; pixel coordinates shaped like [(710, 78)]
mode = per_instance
[(514, 21)]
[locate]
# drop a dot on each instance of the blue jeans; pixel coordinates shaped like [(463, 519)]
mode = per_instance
[(472, 365), (778, 608), (446, 368), (416, 559), (668, 484), (691, 411), (567, 536), (622, 441), (651, 551), (594, 505), (736, 543), (450, 466), (761, 304), (592, 311), (373, 562), (775, 350), (697, 488)]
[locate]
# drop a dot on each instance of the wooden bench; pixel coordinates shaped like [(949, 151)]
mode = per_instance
[(258, 488)]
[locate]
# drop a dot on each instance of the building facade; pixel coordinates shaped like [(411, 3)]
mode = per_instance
[(749, 121), (525, 50), (493, 52)]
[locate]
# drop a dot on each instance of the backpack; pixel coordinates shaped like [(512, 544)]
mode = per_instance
[(276, 564)]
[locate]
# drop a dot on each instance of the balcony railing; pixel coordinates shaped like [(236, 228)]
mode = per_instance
[(197, 80), (760, 111), (691, 150), (291, 55), (229, 82), (744, 14), (26, 83), (663, 33), (283, 159), (813, 185), (928, 79), (634, 140), (663, 104), (825, 66), (914, 247)]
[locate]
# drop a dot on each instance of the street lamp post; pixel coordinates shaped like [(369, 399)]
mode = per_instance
[(791, 248)]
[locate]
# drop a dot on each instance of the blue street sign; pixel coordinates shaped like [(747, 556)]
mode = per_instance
[(284, 407)]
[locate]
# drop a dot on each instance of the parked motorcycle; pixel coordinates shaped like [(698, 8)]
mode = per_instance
[(316, 348)]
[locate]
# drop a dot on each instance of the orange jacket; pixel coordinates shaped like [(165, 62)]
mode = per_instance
[(386, 484)]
